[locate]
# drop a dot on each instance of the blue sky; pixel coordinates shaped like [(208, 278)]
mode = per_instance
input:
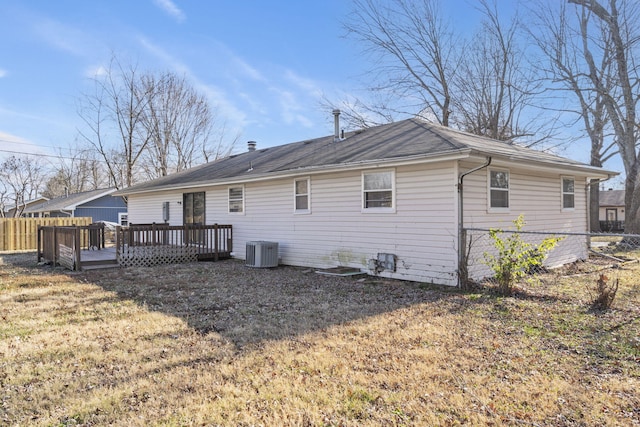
[(265, 65)]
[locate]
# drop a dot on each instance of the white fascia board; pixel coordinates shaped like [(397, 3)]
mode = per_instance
[(73, 206)]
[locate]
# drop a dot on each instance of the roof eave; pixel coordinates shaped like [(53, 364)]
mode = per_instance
[(593, 172), (310, 170)]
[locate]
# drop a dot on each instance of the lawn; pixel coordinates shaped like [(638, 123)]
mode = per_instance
[(223, 344)]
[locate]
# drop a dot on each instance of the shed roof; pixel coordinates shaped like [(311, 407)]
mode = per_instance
[(70, 202), (612, 198), (406, 140)]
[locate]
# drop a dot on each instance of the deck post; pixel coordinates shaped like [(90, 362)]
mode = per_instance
[(215, 242), (118, 242)]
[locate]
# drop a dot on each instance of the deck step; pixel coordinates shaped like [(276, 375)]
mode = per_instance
[(94, 265)]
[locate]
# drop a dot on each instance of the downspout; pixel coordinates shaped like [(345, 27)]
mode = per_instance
[(462, 241), (588, 197)]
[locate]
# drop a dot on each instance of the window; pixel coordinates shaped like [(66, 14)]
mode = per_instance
[(568, 193), (499, 189), (236, 199), (123, 219), (193, 208), (377, 190), (302, 195)]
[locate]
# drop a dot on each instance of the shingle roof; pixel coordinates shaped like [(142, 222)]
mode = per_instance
[(69, 202), (612, 198), (406, 139)]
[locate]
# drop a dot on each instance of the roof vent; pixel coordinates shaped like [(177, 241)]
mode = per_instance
[(336, 125), (251, 145)]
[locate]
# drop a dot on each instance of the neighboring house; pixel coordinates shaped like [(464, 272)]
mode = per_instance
[(387, 193), (10, 211), (612, 210), (100, 205)]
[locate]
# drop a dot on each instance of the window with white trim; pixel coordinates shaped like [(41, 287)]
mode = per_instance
[(378, 190), (302, 195), (236, 199), (568, 193), (498, 189)]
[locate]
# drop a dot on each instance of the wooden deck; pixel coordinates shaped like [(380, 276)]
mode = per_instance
[(84, 247), (103, 258)]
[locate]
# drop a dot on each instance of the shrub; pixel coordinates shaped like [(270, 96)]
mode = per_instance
[(605, 293), (516, 258)]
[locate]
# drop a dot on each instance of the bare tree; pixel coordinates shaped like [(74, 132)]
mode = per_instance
[(559, 35), (149, 125), (594, 55), (483, 86), (415, 52), (494, 89), (116, 107), (77, 169), (20, 181), (179, 123)]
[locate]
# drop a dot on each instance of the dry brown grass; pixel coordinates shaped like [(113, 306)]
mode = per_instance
[(222, 344)]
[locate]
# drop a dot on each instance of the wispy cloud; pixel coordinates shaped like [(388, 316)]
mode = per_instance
[(95, 71), (3, 73), (307, 85), (215, 94), (171, 9), (61, 36), (291, 110)]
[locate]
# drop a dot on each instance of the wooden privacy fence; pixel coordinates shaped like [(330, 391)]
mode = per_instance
[(21, 234), (64, 245), (151, 244)]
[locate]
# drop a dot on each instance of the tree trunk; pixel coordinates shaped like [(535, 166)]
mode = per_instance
[(632, 200)]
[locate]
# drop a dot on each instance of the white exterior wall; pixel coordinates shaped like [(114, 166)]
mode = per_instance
[(147, 208), (537, 195), (603, 213), (421, 233)]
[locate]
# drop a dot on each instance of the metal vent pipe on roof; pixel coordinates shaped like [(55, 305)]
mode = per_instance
[(251, 145), (336, 125)]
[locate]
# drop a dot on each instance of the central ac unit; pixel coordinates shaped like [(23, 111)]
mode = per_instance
[(262, 254)]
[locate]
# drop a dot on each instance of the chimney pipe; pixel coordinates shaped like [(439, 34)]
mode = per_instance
[(336, 125), (251, 145)]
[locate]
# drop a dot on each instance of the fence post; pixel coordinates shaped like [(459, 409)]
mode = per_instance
[(77, 249), (55, 245), (39, 242)]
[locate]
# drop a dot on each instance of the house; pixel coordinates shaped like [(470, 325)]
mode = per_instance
[(611, 213), (10, 211), (390, 200), (99, 204)]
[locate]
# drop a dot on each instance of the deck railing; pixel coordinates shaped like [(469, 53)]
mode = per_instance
[(63, 245), (150, 244), (612, 226)]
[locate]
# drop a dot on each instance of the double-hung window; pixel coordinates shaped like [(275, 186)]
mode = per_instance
[(568, 193), (236, 199), (378, 191), (302, 195), (498, 190)]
